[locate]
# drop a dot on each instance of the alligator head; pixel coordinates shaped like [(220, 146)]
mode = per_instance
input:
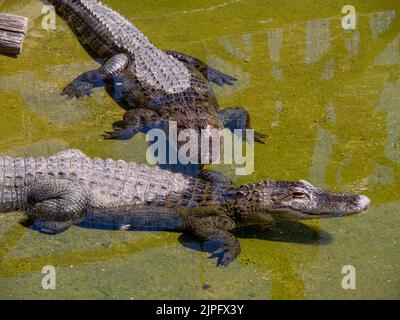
[(291, 200)]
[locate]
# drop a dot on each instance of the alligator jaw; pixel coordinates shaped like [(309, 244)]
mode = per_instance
[(295, 200), (290, 213)]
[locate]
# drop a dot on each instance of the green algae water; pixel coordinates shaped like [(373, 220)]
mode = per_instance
[(328, 98)]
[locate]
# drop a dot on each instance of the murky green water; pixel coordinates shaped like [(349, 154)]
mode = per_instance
[(328, 98)]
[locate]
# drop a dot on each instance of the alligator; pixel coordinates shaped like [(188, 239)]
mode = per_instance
[(157, 86), (70, 188)]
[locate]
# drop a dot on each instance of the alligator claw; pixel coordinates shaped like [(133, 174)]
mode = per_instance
[(225, 257), (112, 134), (226, 260), (260, 137), (119, 134), (220, 78)]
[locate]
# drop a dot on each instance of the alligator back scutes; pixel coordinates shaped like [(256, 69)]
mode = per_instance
[(153, 67)]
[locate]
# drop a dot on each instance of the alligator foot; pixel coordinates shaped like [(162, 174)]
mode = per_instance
[(84, 84), (238, 118), (219, 77), (78, 89), (213, 75), (135, 120), (224, 256), (228, 249), (215, 229), (120, 134)]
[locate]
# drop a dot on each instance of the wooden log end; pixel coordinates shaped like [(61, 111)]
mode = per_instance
[(12, 34)]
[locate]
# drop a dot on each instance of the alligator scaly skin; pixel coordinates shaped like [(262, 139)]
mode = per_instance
[(108, 33), (109, 183), (159, 86), (70, 188)]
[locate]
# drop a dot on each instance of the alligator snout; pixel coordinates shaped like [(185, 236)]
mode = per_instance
[(363, 202), (301, 200)]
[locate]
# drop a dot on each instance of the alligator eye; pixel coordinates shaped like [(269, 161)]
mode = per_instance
[(299, 195)]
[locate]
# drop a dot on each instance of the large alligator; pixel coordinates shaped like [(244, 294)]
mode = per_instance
[(70, 188), (161, 85)]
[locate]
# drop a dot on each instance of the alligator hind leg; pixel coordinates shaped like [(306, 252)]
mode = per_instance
[(55, 205), (238, 118), (135, 120), (211, 74), (84, 84)]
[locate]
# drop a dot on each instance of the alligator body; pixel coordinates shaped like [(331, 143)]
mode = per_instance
[(70, 188), (162, 86)]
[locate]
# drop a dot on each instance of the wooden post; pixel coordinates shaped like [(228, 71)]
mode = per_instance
[(12, 34)]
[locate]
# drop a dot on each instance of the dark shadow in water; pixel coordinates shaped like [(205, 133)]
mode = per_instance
[(292, 232), (26, 222), (118, 124), (284, 231)]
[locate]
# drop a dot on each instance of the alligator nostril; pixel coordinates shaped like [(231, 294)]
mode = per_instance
[(364, 202)]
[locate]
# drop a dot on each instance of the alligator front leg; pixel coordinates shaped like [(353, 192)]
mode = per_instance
[(135, 120), (211, 74), (216, 229), (55, 205), (84, 84), (238, 118)]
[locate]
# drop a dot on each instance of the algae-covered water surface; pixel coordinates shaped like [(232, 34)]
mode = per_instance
[(328, 98)]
